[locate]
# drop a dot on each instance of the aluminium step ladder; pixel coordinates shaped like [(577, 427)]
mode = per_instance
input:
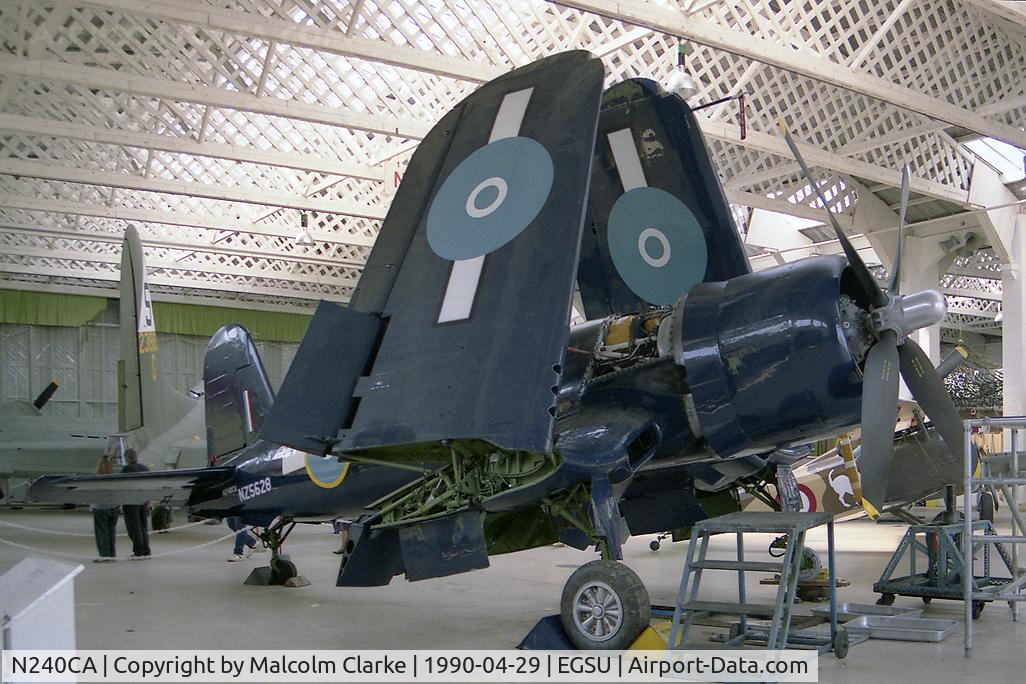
[(972, 540), (696, 561)]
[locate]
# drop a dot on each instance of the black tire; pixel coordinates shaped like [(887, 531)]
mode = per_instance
[(927, 599), (604, 585), (987, 506), (885, 600), (654, 545), (841, 643), (282, 571), (160, 518), (978, 609)]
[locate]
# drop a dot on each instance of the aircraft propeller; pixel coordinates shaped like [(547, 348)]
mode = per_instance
[(45, 395), (892, 316)]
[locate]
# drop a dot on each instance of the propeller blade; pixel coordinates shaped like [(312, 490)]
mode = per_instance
[(45, 395), (876, 295), (879, 414), (952, 361), (896, 271), (928, 389)]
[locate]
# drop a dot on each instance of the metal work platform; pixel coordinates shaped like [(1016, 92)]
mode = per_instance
[(934, 557), (794, 525), (1010, 590)]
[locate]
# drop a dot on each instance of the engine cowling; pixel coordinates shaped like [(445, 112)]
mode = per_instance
[(773, 357)]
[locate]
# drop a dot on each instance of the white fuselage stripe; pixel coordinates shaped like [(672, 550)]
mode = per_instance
[(465, 275), (628, 161)]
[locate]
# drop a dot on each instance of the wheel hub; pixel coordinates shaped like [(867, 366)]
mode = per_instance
[(598, 611)]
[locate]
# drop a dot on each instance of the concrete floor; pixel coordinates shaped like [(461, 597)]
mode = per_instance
[(194, 599)]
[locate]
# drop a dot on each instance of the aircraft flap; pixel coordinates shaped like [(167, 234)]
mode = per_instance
[(478, 312), (316, 398), (658, 222)]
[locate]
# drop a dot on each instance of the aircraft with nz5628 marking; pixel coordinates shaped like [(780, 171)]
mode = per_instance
[(454, 368)]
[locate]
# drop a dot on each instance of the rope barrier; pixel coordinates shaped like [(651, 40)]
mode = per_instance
[(230, 535), (90, 534)]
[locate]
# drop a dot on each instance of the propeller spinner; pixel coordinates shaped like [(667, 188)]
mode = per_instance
[(892, 317)]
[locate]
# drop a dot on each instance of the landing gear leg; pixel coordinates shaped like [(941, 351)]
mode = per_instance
[(604, 604)]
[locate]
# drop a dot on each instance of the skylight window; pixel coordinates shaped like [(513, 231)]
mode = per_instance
[(1010, 161)]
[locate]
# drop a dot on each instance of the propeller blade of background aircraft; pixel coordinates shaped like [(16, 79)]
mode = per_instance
[(952, 361), (879, 410), (928, 389), (862, 274), (896, 272), (45, 395)]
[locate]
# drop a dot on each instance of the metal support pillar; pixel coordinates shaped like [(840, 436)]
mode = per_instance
[(1013, 329), (920, 270)]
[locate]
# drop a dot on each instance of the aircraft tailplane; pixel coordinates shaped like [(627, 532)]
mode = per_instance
[(237, 393)]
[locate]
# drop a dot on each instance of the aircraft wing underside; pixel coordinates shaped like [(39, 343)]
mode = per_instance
[(171, 487)]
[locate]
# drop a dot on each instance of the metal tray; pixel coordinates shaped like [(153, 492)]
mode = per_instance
[(902, 629), (848, 611)]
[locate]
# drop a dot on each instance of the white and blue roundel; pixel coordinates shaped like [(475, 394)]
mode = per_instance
[(489, 198), (656, 244)]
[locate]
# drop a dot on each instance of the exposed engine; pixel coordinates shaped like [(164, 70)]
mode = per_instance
[(770, 359)]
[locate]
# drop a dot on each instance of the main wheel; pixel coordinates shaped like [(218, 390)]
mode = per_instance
[(885, 600), (654, 545), (604, 606), (977, 609)]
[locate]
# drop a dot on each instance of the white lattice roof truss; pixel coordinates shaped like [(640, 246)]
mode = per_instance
[(215, 125)]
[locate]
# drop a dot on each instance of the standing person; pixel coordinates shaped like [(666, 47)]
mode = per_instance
[(136, 515), (105, 519), (245, 542)]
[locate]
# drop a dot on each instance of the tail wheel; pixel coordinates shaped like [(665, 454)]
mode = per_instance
[(811, 565), (282, 570), (987, 506), (841, 643), (604, 606)]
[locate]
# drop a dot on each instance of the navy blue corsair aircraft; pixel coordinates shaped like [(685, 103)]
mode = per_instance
[(453, 409)]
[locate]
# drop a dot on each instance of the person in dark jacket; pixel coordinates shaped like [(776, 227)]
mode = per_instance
[(105, 519), (136, 515)]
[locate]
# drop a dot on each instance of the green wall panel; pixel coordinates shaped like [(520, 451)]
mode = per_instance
[(44, 308)]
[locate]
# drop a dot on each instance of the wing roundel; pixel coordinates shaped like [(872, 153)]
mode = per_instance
[(658, 221)]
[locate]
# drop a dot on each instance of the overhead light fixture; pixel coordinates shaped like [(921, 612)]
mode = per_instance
[(304, 239), (680, 81), (682, 84)]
